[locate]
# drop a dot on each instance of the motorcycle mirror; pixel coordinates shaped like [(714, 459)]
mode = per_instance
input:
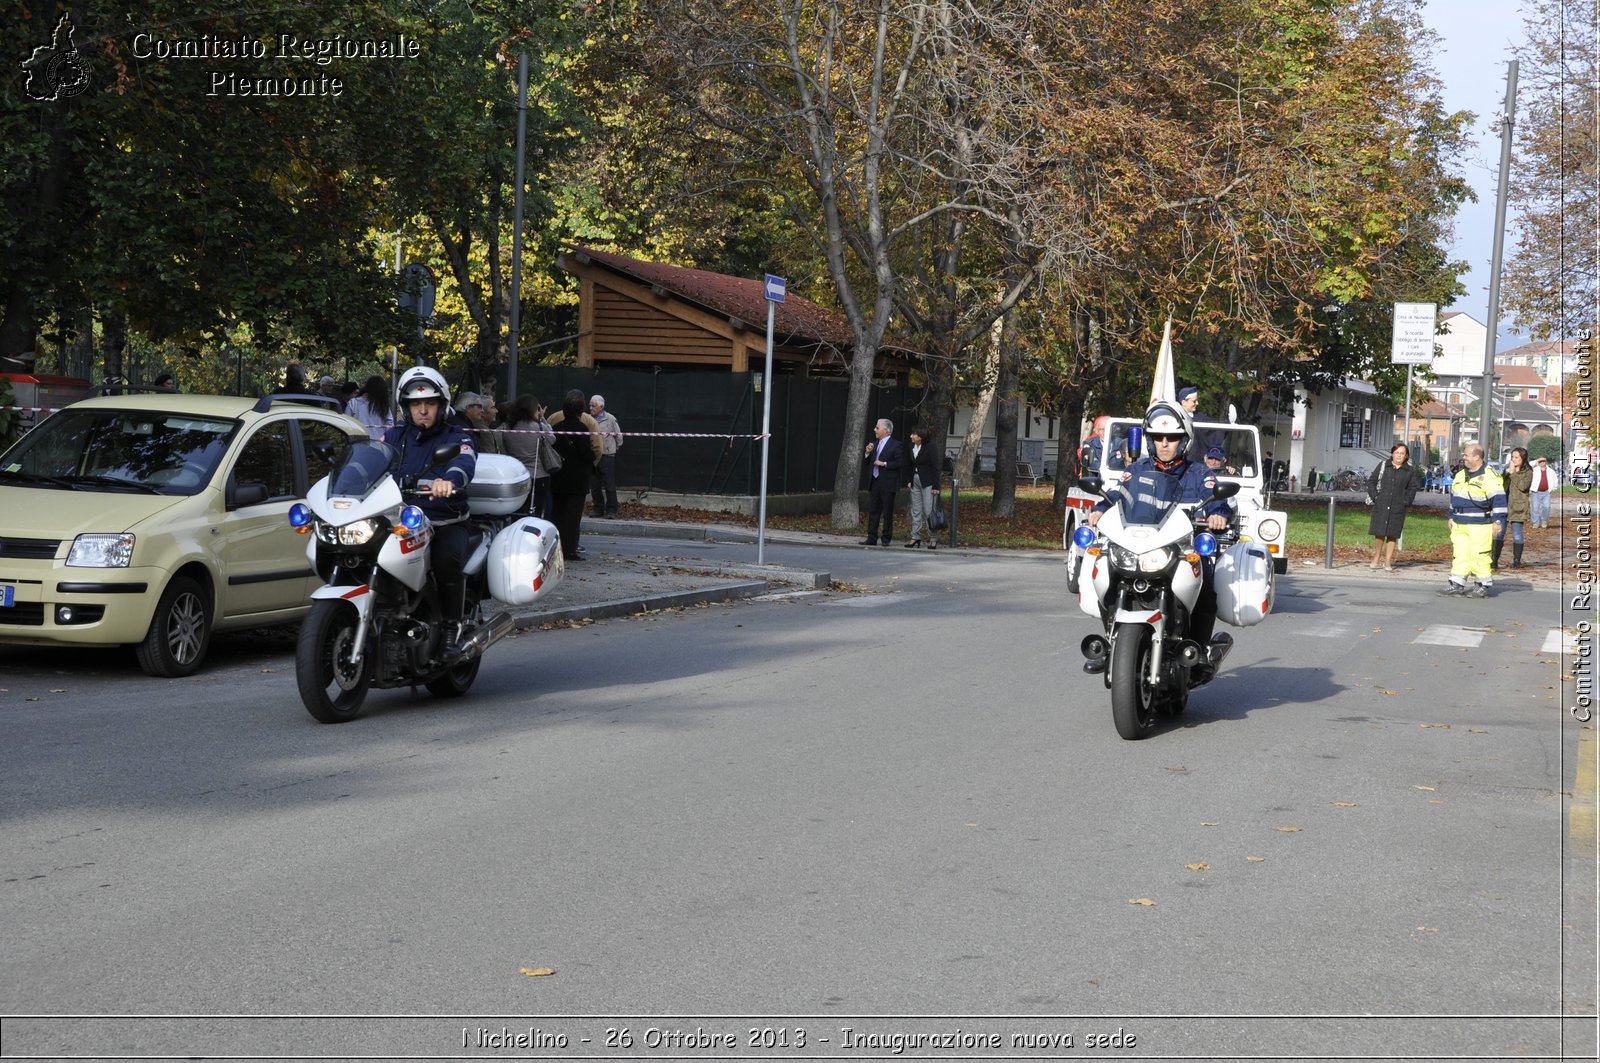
[(1092, 484), (1225, 490), (445, 452)]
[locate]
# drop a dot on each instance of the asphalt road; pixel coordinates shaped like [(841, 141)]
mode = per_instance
[(898, 811)]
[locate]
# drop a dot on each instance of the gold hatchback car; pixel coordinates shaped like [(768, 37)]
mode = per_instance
[(153, 520)]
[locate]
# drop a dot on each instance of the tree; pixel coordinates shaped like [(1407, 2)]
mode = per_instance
[(1553, 273)]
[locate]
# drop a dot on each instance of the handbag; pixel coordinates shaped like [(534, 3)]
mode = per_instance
[(938, 520), (549, 460)]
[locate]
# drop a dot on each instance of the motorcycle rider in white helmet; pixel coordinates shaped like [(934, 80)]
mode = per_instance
[(1148, 487), (424, 399)]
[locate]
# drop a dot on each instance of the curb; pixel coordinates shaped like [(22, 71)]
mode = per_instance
[(521, 621)]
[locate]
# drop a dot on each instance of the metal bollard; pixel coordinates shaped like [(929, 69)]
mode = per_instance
[(955, 506), (1328, 560)]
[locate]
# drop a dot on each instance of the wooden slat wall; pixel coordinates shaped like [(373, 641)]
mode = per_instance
[(627, 330)]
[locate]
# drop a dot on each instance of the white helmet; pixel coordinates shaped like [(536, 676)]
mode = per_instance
[(421, 382), (1166, 418)]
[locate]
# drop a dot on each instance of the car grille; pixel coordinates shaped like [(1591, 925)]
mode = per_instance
[(39, 549), (23, 614)]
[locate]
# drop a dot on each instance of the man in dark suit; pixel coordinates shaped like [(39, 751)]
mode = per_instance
[(886, 456)]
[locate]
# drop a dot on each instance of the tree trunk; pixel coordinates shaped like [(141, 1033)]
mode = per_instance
[(967, 460), (852, 445), (1004, 501)]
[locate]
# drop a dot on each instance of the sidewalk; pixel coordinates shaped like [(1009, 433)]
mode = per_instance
[(609, 584)]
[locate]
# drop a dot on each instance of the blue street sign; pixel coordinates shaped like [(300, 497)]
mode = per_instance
[(776, 287)]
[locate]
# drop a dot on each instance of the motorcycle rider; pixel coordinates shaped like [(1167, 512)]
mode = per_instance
[(425, 426), (1147, 489)]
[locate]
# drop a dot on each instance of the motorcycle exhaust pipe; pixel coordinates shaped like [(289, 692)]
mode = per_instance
[(1220, 645), (1095, 647), (488, 633)]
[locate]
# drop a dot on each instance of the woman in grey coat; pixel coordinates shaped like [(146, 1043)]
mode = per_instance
[(1392, 486)]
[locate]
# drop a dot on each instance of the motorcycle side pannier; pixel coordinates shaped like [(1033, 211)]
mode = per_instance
[(1244, 584), (499, 486), (524, 561)]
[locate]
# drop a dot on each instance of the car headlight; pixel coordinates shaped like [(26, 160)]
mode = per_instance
[(1151, 561), (101, 551), (357, 533), (1269, 530)]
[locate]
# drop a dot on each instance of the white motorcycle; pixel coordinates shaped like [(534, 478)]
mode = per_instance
[(377, 621), (1141, 579)]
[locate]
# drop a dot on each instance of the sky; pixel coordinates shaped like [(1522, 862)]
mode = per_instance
[(1476, 43)]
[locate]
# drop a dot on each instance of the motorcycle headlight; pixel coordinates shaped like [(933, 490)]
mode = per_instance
[(101, 551), (358, 533), (1151, 561)]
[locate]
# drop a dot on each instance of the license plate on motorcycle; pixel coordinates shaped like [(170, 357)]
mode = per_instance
[(8, 596)]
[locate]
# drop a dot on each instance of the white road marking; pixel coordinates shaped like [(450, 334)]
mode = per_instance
[(1559, 641), (1452, 635)]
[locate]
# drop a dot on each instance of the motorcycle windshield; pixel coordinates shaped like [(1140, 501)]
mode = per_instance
[(1147, 496), (366, 466)]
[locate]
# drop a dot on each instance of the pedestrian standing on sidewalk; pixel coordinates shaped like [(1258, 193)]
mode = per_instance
[(570, 483), (885, 456), (1477, 511), (1392, 487), (1518, 479), (604, 487), (924, 486), (526, 441), (1544, 483)]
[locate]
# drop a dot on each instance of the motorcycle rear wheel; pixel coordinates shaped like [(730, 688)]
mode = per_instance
[(332, 686), (1133, 700)]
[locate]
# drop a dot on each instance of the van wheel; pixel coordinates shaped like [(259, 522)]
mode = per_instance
[(180, 631)]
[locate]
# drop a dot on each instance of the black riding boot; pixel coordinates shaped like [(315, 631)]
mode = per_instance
[(1494, 555), (1516, 555)]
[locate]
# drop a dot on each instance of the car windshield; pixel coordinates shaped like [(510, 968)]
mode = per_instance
[(364, 468), (1237, 444), (120, 450)]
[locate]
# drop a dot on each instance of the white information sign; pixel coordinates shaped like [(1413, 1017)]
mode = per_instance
[(1413, 339)]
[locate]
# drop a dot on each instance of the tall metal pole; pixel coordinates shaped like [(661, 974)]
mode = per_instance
[(516, 227), (766, 437), (1506, 124)]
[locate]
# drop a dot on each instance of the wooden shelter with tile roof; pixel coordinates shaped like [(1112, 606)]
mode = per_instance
[(646, 313)]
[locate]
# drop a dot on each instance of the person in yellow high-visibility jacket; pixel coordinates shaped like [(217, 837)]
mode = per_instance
[(1477, 516)]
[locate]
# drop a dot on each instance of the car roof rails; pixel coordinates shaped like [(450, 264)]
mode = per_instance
[(264, 403), (115, 386)]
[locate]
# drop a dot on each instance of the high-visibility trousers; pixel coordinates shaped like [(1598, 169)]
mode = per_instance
[(1472, 543)]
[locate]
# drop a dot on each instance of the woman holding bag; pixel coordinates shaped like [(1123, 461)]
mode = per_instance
[(530, 437), (924, 485), (1391, 488)]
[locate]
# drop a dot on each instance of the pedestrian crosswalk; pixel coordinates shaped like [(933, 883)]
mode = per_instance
[(1556, 640)]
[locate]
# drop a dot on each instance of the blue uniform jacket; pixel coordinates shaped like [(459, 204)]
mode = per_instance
[(1148, 489), (415, 462)]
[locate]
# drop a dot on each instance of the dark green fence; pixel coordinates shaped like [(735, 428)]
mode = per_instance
[(807, 421)]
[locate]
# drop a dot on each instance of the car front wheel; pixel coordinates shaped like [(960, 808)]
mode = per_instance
[(179, 632)]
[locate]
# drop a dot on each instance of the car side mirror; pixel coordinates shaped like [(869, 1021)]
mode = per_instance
[(251, 494)]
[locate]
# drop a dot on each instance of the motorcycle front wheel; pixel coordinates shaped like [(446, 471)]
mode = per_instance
[(332, 685), (1133, 699)]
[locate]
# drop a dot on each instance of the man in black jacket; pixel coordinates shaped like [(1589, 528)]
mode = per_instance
[(886, 456)]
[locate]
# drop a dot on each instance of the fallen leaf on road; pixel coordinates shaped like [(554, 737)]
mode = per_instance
[(1476, 731), (1143, 902), (1177, 767), (1343, 804), (1441, 726), (1429, 789), (30, 699), (538, 972), (1390, 693), (1255, 859), (1208, 824), (1290, 830), (1427, 929), (1197, 867)]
